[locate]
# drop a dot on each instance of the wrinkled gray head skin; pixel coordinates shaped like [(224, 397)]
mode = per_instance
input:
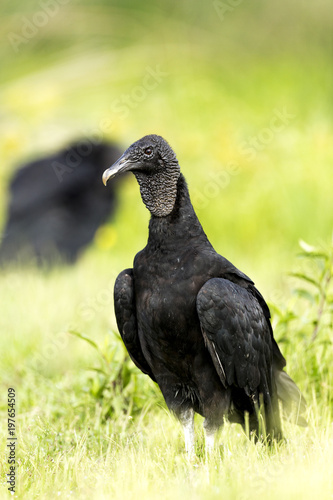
[(156, 168)]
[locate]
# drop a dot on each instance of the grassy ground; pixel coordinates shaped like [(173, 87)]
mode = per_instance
[(245, 99), (107, 433)]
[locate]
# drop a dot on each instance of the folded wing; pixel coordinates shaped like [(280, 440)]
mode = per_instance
[(124, 304)]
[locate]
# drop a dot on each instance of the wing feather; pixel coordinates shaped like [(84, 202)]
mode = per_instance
[(124, 304), (237, 336)]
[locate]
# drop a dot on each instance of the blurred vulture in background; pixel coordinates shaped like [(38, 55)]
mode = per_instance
[(57, 203)]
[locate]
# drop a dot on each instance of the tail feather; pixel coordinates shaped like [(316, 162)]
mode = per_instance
[(293, 401)]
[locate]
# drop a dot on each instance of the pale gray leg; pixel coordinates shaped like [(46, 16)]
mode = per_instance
[(210, 440), (211, 432), (187, 420)]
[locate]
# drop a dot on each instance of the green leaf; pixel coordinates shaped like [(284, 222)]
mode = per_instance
[(274, 308), (83, 337), (98, 370), (289, 316), (300, 292), (115, 334), (284, 340), (312, 255), (306, 278)]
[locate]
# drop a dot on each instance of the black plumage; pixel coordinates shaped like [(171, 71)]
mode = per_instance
[(57, 203), (189, 318)]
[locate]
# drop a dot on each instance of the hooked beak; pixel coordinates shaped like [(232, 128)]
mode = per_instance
[(122, 165)]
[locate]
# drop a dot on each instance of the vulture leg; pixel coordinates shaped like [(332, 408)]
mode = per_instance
[(187, 420), (211, 434), (210, 439)]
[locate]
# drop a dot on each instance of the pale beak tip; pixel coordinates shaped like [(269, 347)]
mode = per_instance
[(117, 168), (105, 177)]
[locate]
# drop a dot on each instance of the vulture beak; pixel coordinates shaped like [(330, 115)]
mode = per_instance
[(121, 165)]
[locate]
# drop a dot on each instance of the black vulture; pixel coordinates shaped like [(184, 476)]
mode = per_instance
[(57, 203), (190, 319)]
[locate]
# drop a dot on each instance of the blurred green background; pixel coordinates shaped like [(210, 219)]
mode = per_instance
[(234, 86), (243, 92)]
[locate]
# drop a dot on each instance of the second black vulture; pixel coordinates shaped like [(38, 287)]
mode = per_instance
[(190, 319), (57, 203)]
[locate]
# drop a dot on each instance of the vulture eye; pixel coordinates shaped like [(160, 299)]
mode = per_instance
[(148, 151)]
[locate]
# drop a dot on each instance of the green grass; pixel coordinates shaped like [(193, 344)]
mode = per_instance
[(89, 425), (65, 448), (121, 462)]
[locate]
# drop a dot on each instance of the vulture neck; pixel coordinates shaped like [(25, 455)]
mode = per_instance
[(180, 225)]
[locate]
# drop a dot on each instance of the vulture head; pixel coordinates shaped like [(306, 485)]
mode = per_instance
[(156, 168)]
